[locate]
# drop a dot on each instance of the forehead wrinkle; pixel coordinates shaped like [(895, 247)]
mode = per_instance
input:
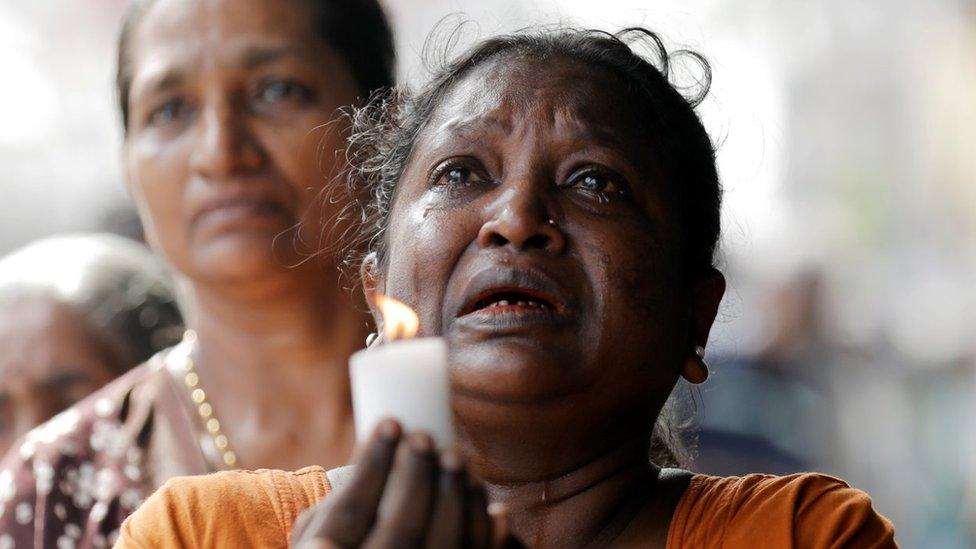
[(576, 122), (472, 128), (465, 113), (512, 99), (511, 115)]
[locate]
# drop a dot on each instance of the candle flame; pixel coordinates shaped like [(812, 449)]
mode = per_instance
[(399, 320)]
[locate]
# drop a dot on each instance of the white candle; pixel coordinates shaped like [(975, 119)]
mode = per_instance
[(406, 380)]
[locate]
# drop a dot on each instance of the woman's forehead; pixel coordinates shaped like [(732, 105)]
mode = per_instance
[(556, 95), (222, 28), (218, 18)]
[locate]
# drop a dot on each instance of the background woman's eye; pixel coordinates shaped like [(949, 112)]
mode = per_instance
[(168, 112), (274, 91)]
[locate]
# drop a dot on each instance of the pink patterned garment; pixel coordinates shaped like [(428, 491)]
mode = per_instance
[(73, 480)]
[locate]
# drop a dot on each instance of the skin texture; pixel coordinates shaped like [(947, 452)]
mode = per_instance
[(544, 182), (50, 357), (228, 149)]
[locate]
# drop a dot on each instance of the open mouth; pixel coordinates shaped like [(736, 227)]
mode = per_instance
[(499, 300)]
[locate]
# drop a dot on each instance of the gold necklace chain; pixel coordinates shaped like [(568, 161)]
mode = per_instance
[(199, 397)]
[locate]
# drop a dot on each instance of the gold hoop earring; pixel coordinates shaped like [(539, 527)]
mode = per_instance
[(695, 370)]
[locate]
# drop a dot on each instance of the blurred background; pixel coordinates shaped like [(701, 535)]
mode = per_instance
[(846, 343)]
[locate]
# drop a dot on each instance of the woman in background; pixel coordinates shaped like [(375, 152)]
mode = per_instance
[(76, 312), (225, 106)]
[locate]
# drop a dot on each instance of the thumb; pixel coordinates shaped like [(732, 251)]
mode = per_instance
[(501, 529)]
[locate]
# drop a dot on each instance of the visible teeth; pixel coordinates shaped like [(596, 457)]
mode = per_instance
[(519, 303)]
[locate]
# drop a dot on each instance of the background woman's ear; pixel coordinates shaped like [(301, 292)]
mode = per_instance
[(706, 297)]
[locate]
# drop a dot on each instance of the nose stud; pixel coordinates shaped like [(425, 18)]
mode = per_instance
[(551, 222)]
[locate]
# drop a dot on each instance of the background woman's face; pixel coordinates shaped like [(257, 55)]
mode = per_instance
[(50, 358), (582, 322), (222, 152)]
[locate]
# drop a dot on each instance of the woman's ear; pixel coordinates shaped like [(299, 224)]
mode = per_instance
[(706, 297), (369, 273)]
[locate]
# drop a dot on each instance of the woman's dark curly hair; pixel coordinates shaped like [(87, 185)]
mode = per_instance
[(385, 130)]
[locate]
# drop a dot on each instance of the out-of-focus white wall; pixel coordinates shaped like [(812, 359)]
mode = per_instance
[(58, 133), (846, 133)]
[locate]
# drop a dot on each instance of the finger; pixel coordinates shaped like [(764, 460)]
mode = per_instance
[(348, 515), (405, 509), (301, 526), (478, 525), (447, 518), (361, 448), (498, 515)]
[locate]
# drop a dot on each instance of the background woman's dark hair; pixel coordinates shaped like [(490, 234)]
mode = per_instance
[(357, 30), (384, 133)]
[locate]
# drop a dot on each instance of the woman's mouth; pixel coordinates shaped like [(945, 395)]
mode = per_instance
[(511, 301), (241, 211)]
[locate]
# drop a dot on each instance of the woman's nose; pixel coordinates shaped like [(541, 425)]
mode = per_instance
[(521, 220), (225, 146)]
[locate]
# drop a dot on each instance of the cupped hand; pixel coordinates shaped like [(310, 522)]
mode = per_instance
[(403, 494)]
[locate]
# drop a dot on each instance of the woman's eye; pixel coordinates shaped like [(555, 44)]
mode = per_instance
[(274, 91), (594, 182), (168, 112), (456, 176), (600, 184)]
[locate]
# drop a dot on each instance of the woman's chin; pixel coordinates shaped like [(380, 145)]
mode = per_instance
[(511, 373), (240, 258)]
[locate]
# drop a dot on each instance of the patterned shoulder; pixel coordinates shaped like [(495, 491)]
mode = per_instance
[(89, 426), (68, 475)]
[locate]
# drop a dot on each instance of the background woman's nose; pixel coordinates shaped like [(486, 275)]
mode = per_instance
[(224, 145), (522, 222)]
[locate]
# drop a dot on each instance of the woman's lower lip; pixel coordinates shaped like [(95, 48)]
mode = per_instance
[(512, 316), (242, 215)]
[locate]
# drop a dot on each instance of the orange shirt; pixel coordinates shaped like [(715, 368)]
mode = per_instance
[(258, 509)]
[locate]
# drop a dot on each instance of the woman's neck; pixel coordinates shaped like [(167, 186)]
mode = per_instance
[(273, 360), (614, 496)]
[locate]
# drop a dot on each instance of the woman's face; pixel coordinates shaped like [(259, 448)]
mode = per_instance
[(532, 227), (227, 104), (50, 358)]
